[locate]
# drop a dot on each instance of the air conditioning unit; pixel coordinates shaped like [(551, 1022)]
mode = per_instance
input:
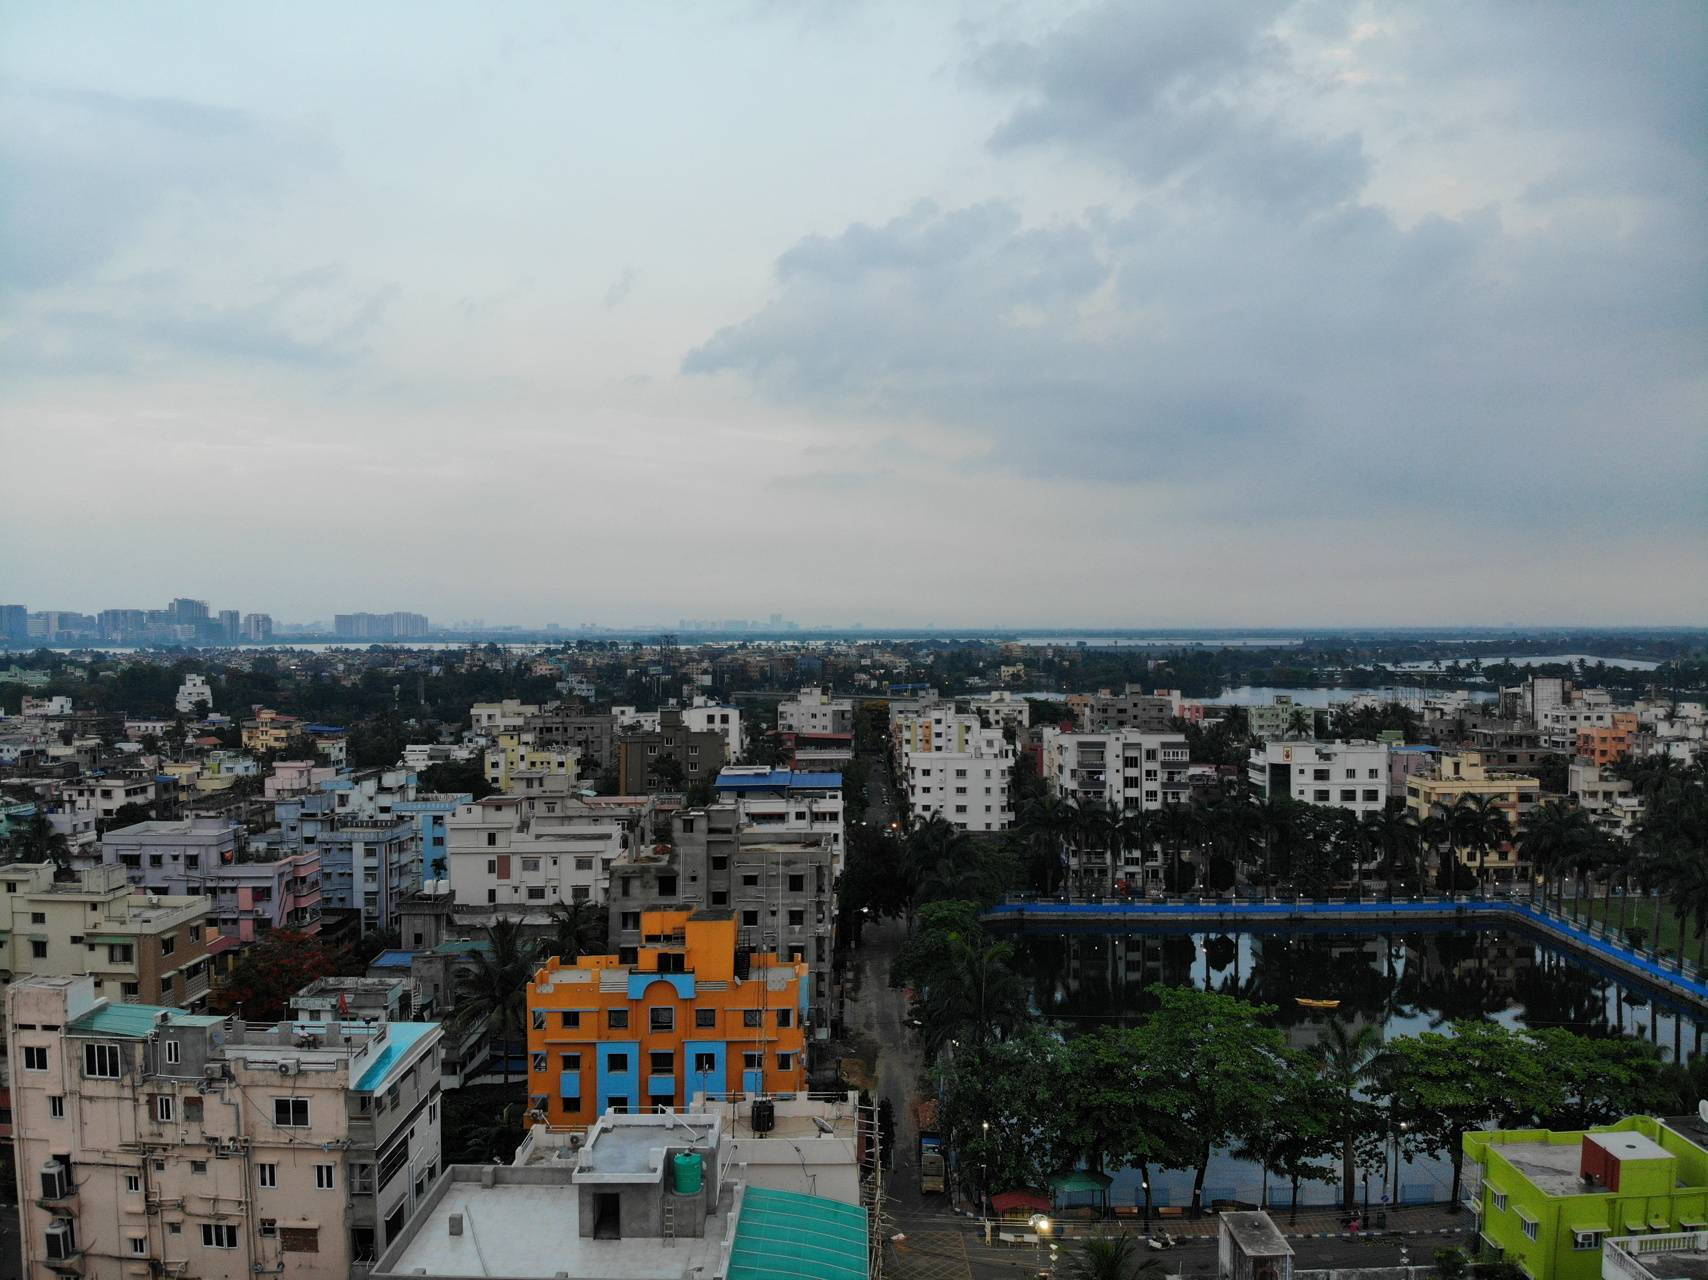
[(287, 1068), (55, 1183), (213, 1071), (61, 1240)]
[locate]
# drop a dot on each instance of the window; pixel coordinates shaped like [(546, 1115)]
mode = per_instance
[(720, 897), (751, 1018), (139, 1246), (163, 1108), (101, 1061), (491, 841), (536, 892), (1348, 795), (661, 1062), (38, 917), (1371, 796), (219, 1235), (797, 884), (35, 1057), (362, 1179), (628, 920), (171, 1053), (56, 1106), (785, 1062), (120, 953), (38, 949), (785, 1017), (168, 945), (616, 1062), (268, 1228), (661, 1019), (705, 1062), (1499, 1198), (750, 918), (705, 1017), (570, 1018), (325, 1177), (797, 919), (1320, 795), (753, 1061), (267, 1175), (584, 864), (290, 1113), (1529, 1228), (569, 1061), (198, 1166), (133, 1183), (617, 1019), (538, 1018), (720, 862), (530, 864), (193, 1110)]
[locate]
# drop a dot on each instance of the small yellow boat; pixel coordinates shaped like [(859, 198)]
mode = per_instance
[(1316, 1004)]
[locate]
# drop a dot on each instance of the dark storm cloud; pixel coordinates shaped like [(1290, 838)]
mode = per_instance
[(1253, 318)]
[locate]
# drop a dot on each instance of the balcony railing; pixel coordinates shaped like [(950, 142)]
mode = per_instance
[(1621, 1256)]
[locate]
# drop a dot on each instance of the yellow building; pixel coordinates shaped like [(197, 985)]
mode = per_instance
[(269, 731), (514, 753), (1464, 774)]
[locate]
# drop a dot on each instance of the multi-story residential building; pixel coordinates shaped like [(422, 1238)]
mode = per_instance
[(14, 624), (1127, 770), (46, 707), (955, 768), (813, 712), (230, 625), (344, 999), (105, 794), (1346, 775), (1590, 709), (162, 850), (512, 755), (1548, 1200), (430, 812), (698, 755), (591, 736), (194, 1145), (1002, 710), (1605, 744), (1131, 709), (1464, 774), (705, 716), (1407, 759), (132, 946), (250, 894), (1283, 718), (1509, 746), (507, 850), (491, 717), (270, 730), (258, 628), (781, 886), (787, 802), (370, 865), (1610, 801), (696, 1012), (295, 777)]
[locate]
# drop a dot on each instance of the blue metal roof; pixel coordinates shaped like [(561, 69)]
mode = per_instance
[(134, 1021), (392, 960)]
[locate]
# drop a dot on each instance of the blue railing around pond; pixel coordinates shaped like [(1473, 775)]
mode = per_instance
[(1357, 914)]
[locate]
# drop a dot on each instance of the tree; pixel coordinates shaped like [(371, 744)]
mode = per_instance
[(665, 773), (1473, 1079), (976, 994), (452, 776), (578, 928), (1349, 1060), (1296, 1138), (1220, 1068), (1111, 1258), (495, 989), (1600, 1080), (995, 1105), (260, 985)]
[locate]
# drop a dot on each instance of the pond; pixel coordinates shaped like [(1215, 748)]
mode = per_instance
[(1417, 979)]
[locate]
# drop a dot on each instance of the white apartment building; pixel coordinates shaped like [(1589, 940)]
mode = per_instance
[(512, 849), (105, 795), (1002, 709), (1126, 770), (194, 693), (491, 717), (814, 711), (955, 768), (154, 1142), (703, 715), (1589, 709), (1346, 775)]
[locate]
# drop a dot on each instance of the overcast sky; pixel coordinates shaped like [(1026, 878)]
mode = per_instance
[(1129, 314)]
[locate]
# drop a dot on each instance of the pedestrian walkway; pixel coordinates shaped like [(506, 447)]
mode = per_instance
[(1313, 1223)]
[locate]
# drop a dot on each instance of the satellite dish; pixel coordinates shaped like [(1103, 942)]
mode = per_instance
[(1702, 1111)]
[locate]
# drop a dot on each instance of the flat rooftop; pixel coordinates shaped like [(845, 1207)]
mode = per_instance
[(1688, 1263), (527, 1229)]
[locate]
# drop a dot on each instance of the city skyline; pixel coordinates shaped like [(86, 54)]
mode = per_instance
[(1230, 314)]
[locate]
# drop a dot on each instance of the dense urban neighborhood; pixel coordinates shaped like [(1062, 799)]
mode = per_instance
[(345, 959)]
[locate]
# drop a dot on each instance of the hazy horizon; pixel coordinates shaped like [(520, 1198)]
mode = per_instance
[(1227, 312)]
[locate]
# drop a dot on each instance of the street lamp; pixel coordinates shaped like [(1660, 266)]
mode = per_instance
[(1041, 1227), (984, 1164)]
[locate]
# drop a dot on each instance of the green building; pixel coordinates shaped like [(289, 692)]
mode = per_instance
[(1546, 1200)]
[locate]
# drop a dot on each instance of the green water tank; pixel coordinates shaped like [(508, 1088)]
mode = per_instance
[(689, 1168)]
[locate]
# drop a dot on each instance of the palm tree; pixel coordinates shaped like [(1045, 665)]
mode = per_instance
[(1550, 837), (1111, 1258), (1689, 893), (1300, 723), (574, 926), (1139, 829), (495, 989), (1276, 824), (977, 995), (1473, 821), (1349, 1059)]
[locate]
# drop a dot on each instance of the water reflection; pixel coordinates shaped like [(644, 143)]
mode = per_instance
[(1419, 979)]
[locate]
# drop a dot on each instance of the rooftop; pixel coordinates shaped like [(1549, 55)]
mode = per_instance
[(784, 1233), (730, 779), (1682, 1256), (1256, 1234), (134, 1021)]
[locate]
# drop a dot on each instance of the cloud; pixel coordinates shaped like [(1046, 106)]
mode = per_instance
[(620, 288), (1248, 319)]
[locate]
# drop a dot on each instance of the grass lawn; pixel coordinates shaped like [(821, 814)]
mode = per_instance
[(1640, 914)]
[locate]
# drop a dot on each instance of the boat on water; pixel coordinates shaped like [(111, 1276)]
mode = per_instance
[(1316, 1004)]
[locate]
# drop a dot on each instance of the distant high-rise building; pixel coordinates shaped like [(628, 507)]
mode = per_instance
[(188, 612), (14, 623), (121, 624), (378, 626), (258, 627), (229, 625)]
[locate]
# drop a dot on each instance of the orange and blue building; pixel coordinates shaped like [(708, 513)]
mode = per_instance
[(696, 1012)]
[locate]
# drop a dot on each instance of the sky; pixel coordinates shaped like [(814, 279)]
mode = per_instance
[(1121, 314)]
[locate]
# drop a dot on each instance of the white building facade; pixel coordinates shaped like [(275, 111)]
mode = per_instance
[(1344, 775), (954, 768)]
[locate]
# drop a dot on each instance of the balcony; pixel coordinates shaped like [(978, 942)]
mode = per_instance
[(1673, 1256)]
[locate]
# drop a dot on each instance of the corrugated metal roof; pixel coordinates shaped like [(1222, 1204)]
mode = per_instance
[(134, 1020), (783, 1235), (401, 1037)]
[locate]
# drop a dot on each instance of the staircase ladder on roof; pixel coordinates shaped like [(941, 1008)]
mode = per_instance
[(669, 1221)]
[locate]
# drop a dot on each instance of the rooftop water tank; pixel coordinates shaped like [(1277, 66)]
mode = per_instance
[(689, 1169)]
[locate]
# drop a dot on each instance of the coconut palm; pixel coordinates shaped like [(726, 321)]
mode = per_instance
[(1478, 824), (1550, 837), (1111, 1258), (976, 995), (1349, 1059), (495, 988), (575, 926), (1689, 894)]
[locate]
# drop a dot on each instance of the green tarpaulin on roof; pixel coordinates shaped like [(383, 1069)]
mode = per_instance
[(783, 1235)]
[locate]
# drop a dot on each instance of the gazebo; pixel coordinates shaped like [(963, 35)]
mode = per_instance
[(1082, 1189)]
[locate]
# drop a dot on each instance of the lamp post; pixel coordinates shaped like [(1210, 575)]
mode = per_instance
[(1146, 1188), (1042, 1227), (1399, 1139), (984, 1167)]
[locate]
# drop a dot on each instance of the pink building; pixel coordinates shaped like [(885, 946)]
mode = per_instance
[(294, 777), (251, 899)]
